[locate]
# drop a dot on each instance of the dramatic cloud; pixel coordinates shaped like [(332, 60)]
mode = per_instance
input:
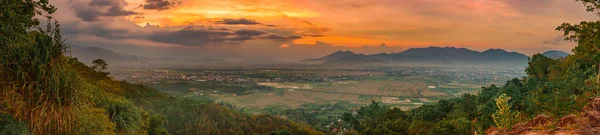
[(297, 29), (276, 37), (159, 4), (200, 36), (241, 21), (94, 9)]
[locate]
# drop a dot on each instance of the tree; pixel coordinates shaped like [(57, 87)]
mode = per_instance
[(539, 66), (99, 65), (587, 36), (504, 116)]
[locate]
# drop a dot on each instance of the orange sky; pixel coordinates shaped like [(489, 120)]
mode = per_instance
[(526, 26), (469, 23)]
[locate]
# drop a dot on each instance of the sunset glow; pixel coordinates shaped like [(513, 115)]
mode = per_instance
[(524, 26)]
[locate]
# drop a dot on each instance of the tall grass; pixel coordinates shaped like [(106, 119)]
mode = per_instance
[(37, 82)]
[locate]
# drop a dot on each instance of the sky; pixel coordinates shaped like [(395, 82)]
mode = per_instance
[(287, 30)]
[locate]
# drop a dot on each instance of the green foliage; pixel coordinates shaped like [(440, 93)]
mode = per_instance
[(504, 116), (38, 84), (93, 121), (418, 127), (11, 126), (442, 127), (124, 114), (377, 118), (281, 132), (156, 126), (463, 126), (17, 18), (539, 66), (189, 116)]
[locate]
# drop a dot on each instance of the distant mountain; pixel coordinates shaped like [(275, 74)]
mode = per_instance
[(499, 55), (337, 56), (88, 54), (555, 54), (357, 61), (431, 55)]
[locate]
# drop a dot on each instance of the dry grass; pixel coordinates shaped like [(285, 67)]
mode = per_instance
[(38, 83)]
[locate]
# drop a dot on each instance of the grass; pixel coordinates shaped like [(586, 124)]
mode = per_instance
[(39, 84), (279, 92)]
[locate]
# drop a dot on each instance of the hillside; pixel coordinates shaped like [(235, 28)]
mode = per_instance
[(112, 107), (587, 122), (45, 91)]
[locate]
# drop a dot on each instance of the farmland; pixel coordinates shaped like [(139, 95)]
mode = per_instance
[(257, 89), (317, 96)]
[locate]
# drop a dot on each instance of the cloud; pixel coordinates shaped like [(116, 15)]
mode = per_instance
[(241, 21), (313, 35), (95, 9), (202, 36), (528, 6), (190, 37), (276, 37), (284, 46), (248, 33), (159, 4), (558, 40)]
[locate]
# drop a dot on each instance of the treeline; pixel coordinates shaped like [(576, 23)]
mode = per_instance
[(553, 87), (45, 91)]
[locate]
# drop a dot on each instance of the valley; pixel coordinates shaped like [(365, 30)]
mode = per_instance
[(291, 91)]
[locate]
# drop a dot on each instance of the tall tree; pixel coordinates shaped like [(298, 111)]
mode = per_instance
[(99, 65)]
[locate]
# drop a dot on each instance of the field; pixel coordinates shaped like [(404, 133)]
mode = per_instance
[(288, 89), (398, 93)]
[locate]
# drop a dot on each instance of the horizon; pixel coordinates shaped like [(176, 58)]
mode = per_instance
[(298, 29), (284, 67)]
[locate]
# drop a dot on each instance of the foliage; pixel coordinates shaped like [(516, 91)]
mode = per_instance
[(504, 116), (38, 84), (377, 118), (557, 87), (156, 126), (189, 116), (93, 121), (11, 126), (281, 132), (99, 65)]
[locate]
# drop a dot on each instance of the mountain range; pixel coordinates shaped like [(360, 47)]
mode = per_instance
[(432, 56), (88, 54)]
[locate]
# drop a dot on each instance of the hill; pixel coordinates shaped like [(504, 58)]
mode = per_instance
[(362, 60), (101, 105), (336, 56), (555, 54)]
